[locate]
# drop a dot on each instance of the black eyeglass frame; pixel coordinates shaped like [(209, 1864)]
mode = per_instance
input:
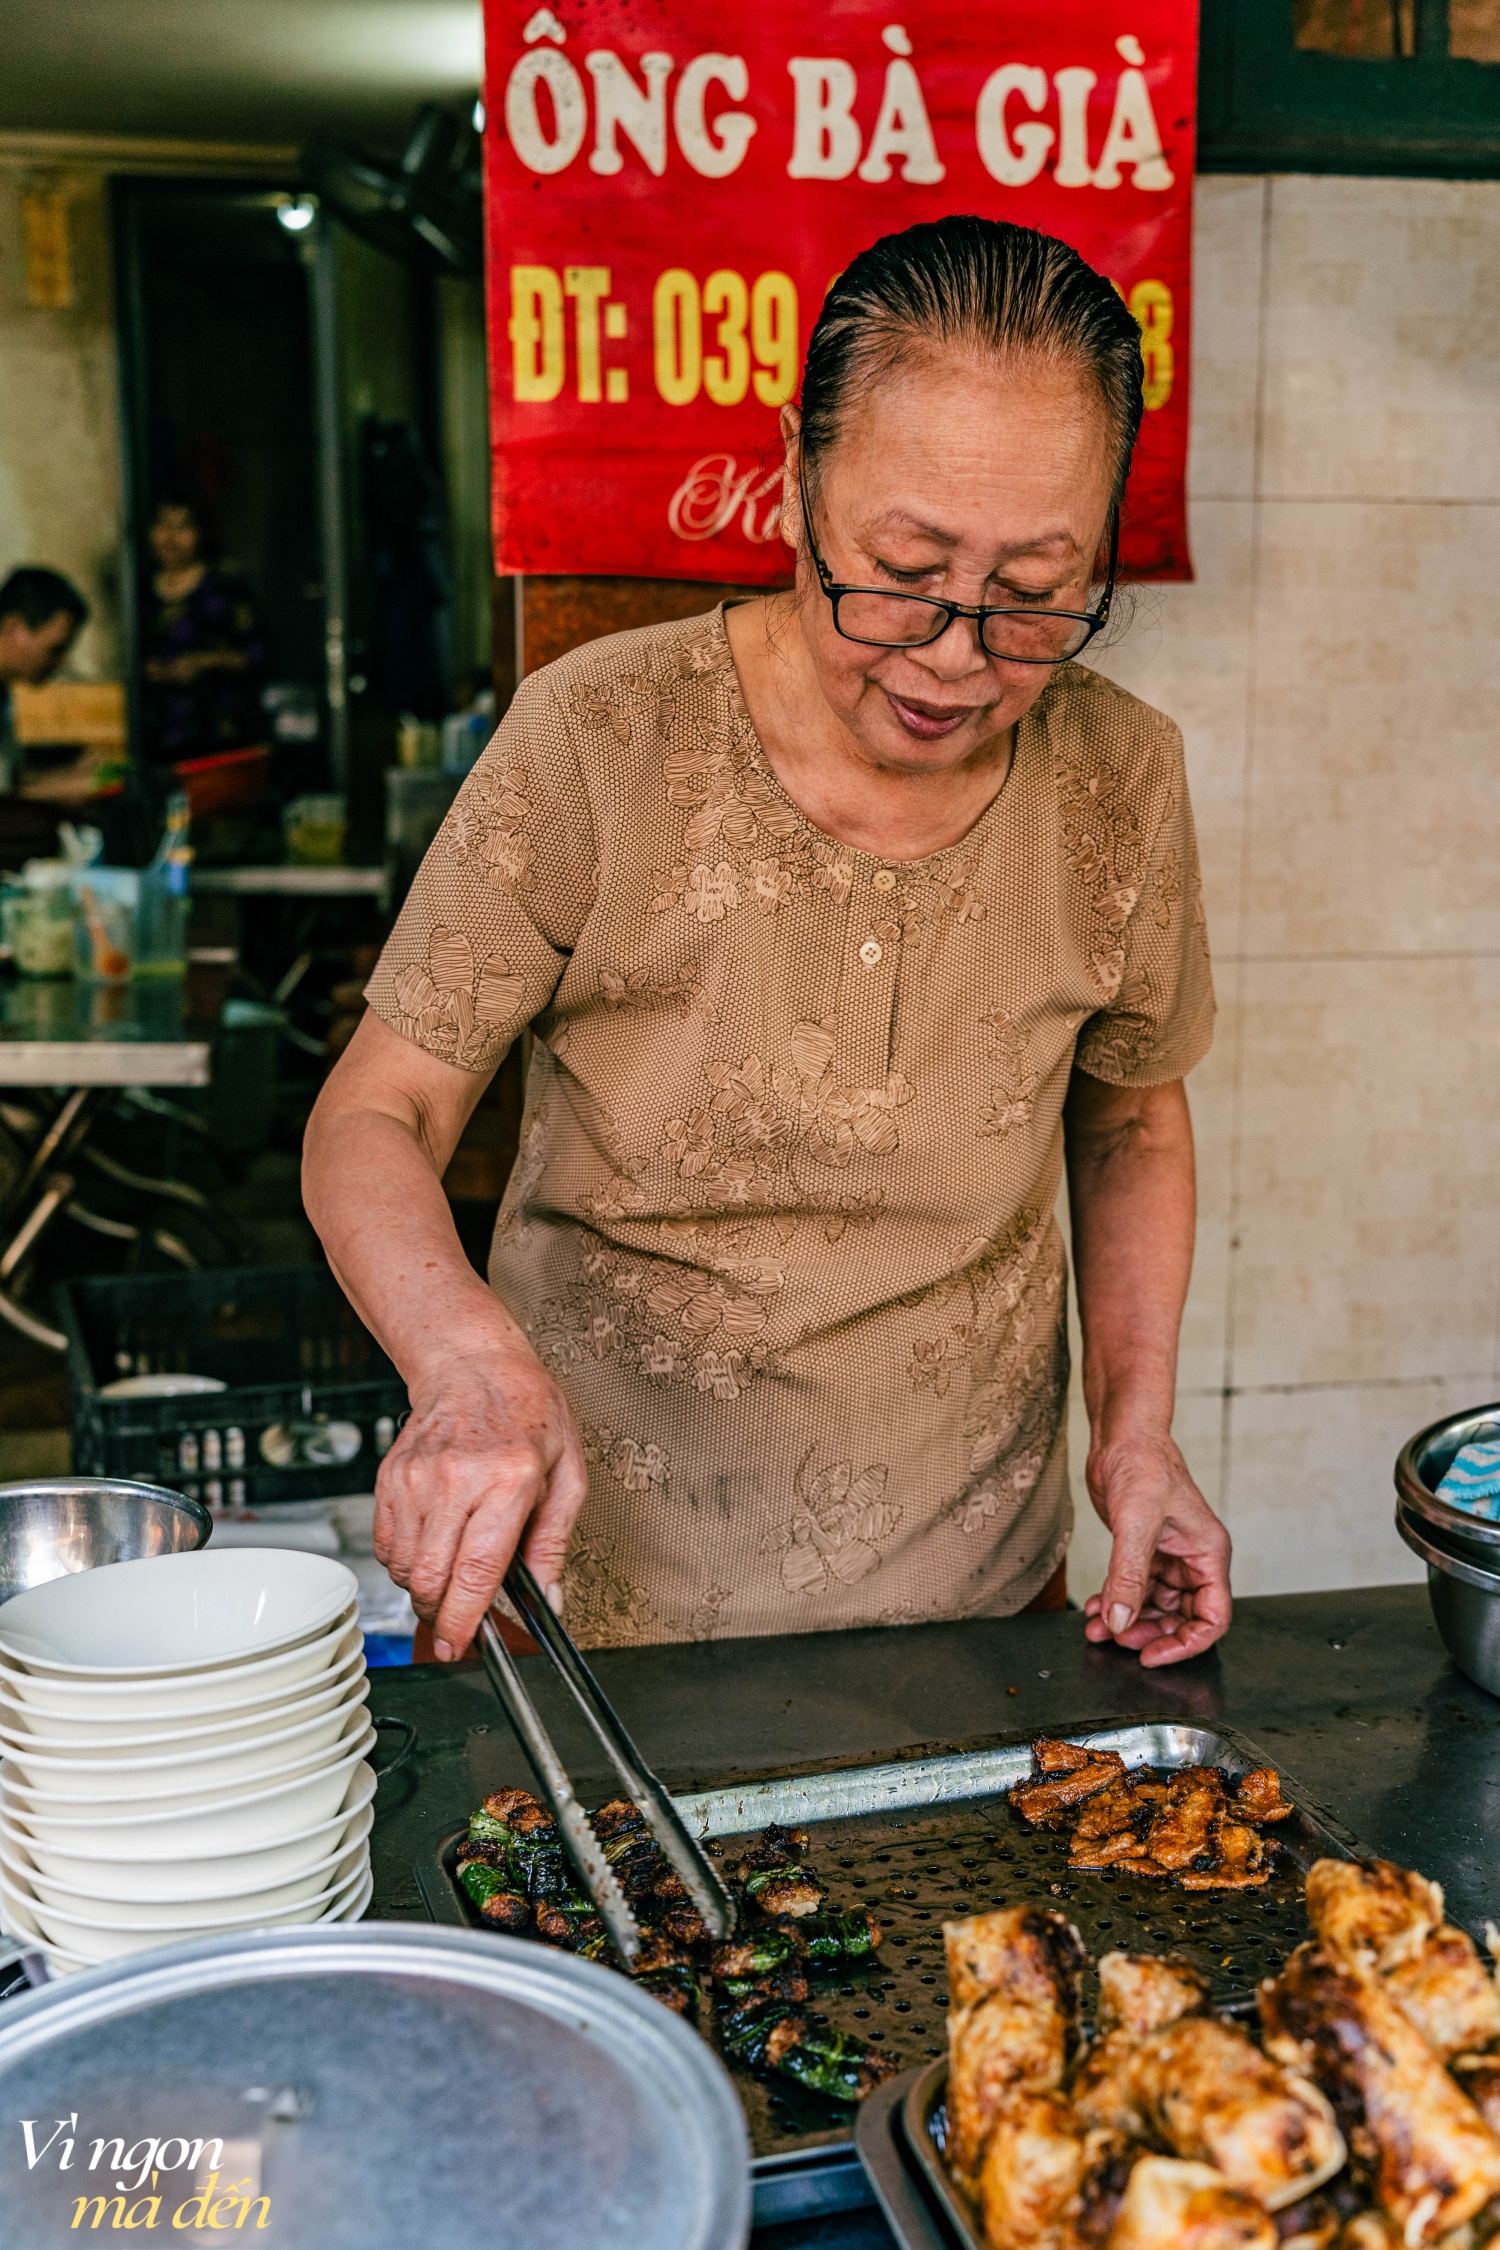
[(1094, 619)]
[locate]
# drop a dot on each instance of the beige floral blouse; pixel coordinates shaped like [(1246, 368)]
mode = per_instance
[(782, 1222)]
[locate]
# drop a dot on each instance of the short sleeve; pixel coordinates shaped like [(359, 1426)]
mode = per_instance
[(481, 943), (1160, 1020)]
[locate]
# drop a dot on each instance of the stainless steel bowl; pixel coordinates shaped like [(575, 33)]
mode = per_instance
[(52, 1526), (1465, 1600), (1425, 1459)]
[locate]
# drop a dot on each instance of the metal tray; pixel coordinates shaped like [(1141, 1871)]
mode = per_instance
[(907, 2207), (924, 1838)]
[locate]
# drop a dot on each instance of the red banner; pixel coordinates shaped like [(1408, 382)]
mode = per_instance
[(672, 185)]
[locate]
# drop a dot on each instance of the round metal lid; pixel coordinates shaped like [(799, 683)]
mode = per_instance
[(380, 2085)]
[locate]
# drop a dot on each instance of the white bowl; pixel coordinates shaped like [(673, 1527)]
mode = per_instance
[(165, 1793), (58, 1703), (358, 1906), (163, 1386), (166, 1615), (103, 1941), (186, 1769), (61, 1963), (144, 1913), (248, 1822), (140, 1738), (197, 1875)]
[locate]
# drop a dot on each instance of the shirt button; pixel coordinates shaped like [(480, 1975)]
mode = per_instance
[(884, 880), (870, 952)]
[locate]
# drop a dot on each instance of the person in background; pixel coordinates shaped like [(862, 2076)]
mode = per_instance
[(41, 615), (204, 653)]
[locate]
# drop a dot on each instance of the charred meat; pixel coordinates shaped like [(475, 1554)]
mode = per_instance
[(1200, 2088), (1430, 2157)]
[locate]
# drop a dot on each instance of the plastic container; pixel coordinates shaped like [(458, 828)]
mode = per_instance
[(314, 828), (312, 1402), (104, 932), (36, 919)]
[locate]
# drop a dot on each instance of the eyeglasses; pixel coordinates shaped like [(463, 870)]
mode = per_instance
[(881, 619)]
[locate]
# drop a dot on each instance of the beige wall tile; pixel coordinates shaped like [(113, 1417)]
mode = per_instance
[(1369, 1197), (1186, 650), (1211, 1098), (1383, 339), (1229, 229), (1375, 813), (1311, 1501)]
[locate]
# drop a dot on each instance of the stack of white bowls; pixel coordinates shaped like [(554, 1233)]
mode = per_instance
[(182, 1750)]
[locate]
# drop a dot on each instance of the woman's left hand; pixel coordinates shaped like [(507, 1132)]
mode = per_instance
[(1167, 1593)]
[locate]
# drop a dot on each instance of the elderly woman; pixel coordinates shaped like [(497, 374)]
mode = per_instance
[(843, 918)]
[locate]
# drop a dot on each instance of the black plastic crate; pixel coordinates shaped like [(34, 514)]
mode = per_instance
[(305, 1378)]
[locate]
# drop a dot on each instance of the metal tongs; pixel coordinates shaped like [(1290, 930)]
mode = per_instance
[(700, 1878)]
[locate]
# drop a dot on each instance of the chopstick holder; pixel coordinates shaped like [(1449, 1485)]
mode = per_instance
[(683, 1852)]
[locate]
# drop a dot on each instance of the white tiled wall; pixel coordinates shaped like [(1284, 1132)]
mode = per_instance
[(1336, 671)]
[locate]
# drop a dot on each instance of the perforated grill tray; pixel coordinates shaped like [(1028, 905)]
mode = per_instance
[(923, 1839)]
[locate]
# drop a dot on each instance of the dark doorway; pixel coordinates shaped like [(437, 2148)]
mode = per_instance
[(220, 398)]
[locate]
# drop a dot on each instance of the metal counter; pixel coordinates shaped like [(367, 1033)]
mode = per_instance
[(1351, 1693)]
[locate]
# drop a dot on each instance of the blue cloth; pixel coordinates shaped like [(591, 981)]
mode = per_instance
[(387, 1648), (1473, 1480)]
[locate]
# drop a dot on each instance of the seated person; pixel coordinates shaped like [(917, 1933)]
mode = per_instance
[(41, 615)]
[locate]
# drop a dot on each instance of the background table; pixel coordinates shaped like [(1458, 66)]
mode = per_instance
[(84, 1041)]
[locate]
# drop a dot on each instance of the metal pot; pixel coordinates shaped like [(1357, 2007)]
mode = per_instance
[(1465, 1597), (51, 1526), (381, 2085)]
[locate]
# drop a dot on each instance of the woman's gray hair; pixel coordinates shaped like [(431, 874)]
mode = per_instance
[(978, 286)]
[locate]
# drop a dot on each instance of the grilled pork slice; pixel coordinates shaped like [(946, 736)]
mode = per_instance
[(1013, 1977), (1185, 1825), (1032, 2175), (1243, 1862), (1127, 1800), (1206, 2091), (1124, 1849), (1258, 1797), (1140, 1992), (1173, 2205), (1371, 1914), (1434, 2161), (1067, 1774)]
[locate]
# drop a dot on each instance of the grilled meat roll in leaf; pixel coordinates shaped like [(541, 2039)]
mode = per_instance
[(490, 1889), (831, 1939), (775, 2037), (620, 1817), (755, 1955), (675, 1987)]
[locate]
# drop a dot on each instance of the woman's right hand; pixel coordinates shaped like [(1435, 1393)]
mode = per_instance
[(488, 1463)]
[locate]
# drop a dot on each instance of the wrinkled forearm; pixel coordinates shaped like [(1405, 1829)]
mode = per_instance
[(374, 1194), (1132, 1196)]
